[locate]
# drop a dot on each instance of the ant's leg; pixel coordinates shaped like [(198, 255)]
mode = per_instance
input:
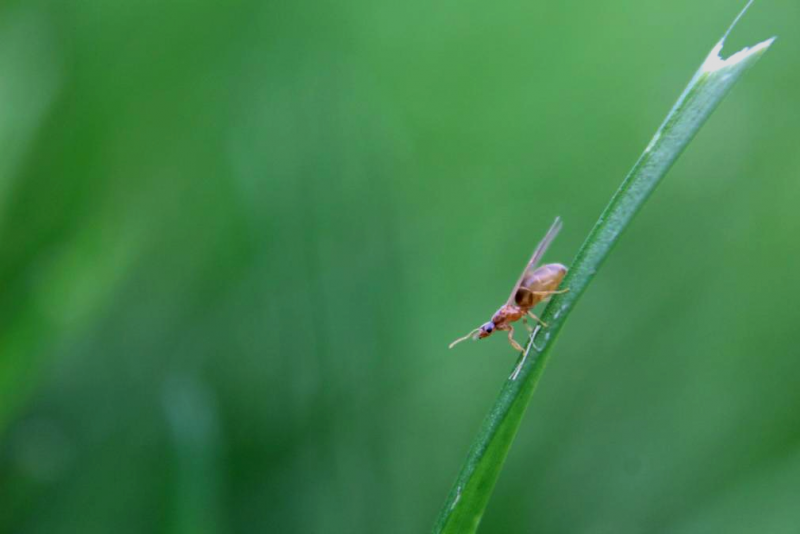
[(548, 294), (511, 340), (518, 368), (559, 292), (537, 319), (544, 293), (529, 327), (551, 293)]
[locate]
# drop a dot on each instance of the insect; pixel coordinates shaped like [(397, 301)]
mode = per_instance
[(535, 285)]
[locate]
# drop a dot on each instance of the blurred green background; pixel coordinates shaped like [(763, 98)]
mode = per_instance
[(237, 237)]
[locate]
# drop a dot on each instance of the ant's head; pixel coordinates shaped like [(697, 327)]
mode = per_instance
[(481, 332), (485, 330)]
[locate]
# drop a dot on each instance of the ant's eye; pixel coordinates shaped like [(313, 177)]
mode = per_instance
[(489, 328)]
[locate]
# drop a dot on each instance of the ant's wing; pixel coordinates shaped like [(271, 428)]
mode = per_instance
[(537, 255)]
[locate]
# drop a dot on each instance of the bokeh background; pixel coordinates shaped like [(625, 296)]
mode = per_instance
[(237, 237)]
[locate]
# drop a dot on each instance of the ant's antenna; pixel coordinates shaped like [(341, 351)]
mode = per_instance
[(459, 340)]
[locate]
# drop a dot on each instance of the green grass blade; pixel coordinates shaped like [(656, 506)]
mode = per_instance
[(467, 500)]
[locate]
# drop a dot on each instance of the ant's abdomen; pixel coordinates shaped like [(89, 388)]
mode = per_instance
[(538, 283)]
